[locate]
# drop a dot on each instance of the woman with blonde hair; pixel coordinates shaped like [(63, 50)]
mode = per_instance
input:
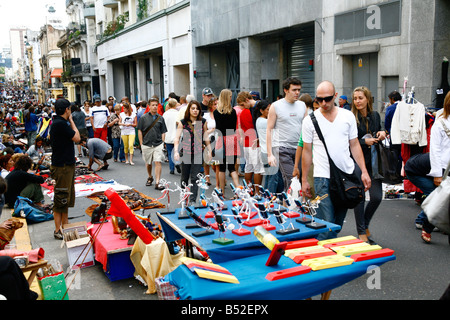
[(369, 134), (227, 142), (128, 121)]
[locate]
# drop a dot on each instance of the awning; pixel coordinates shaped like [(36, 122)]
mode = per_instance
[(56, 73)]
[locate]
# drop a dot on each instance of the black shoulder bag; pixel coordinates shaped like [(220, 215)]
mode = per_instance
[(346, 190)]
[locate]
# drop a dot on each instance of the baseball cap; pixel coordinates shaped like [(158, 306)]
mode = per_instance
[(343, 97), (255, 95), (207, 91), (61, 105)]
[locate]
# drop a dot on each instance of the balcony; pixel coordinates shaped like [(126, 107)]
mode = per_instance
[(81, 69), (89, 12), (110, 3)]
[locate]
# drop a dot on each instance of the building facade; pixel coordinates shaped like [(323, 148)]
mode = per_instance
[(143, 48), (254, 45)]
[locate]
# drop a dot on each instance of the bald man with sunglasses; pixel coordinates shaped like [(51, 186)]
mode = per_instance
[(340, 132)]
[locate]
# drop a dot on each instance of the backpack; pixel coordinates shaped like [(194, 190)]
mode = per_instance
[(25, 208)]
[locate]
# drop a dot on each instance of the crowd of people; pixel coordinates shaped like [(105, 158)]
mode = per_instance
[(268, 144)]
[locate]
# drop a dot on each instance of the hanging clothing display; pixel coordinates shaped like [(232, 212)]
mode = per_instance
[(408, 124)]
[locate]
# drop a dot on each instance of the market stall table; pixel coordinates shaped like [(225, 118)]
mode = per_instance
[(253, 285), (242, 246), (112, 252)]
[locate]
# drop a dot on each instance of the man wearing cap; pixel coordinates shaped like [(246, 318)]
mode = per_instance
[(207, 94), (343, 102), (99, 119), (63, 134)]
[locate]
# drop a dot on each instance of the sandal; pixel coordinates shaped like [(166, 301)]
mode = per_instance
[(426, 237), (149, 181)]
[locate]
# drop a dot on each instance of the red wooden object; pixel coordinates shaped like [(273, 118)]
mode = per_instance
[(372, 254), (291, 272)]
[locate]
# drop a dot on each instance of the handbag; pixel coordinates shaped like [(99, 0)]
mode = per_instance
[(390, 164), (436, 205), (346, 190)]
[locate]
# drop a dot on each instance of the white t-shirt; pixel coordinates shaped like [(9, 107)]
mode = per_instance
[(261, 128), (210, 122), (337, 135), (288, 125), (171, 118), (100, 115), (87, 114), (126, 119)]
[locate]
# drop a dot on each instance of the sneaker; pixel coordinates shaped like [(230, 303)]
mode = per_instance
[(58, 235)]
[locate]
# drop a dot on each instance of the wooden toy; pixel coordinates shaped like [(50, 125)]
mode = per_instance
[(354, 249), (287, 273), (327, 262), (372, 255), (301, 243)]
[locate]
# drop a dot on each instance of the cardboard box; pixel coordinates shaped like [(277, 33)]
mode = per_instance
[(79, 249)]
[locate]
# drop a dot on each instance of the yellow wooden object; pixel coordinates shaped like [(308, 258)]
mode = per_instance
[(327, 262), (350, 250), (328, 241), (309, 250), (216, 276), (187, 260), (350, 246)]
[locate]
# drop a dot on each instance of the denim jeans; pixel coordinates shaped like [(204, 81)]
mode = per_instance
[(363, 212), (274, 183), (273, 180), (118, 149), (326, 210), (169, 147), (426, 184)]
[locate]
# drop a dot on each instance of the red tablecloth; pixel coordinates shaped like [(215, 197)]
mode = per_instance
[(106, 242)]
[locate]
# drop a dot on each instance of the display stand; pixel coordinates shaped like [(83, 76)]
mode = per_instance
[(184, 200), (199, 223), (241, 231)]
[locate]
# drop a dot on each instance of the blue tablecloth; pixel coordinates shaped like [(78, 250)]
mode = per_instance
[(243, 246), (253, 285)]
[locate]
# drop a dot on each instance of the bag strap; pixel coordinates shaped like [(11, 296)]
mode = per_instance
[(319, 132), (151, 126)]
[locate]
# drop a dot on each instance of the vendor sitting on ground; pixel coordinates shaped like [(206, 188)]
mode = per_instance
[(37, 149), (9, 141), (24, 184), (99, 151)]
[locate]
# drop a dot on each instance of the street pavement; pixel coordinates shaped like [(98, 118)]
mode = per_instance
[(420, 271)]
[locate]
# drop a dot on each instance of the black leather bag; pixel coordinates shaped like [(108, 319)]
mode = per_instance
[(346, 190), (390, 164)]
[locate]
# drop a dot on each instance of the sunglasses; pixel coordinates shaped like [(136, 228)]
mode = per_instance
[(326, 99)]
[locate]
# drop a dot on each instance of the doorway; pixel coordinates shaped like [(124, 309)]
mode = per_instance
[(365, 73)]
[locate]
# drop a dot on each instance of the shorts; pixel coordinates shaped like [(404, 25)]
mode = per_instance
[(153, 154), (64, 190), (253, 162)]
